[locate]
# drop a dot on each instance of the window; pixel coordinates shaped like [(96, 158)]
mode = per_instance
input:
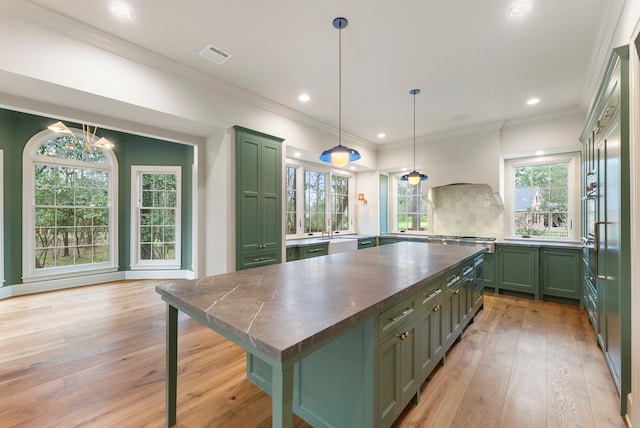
[(70, 225), (540, 196), (318, 200), (339, 203), (155, 217), (411, 208), (291, 201)]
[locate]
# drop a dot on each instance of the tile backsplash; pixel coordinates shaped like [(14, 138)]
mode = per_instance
[(467, 210)]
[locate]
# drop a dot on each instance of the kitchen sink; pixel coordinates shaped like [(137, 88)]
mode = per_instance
[(340, 245)]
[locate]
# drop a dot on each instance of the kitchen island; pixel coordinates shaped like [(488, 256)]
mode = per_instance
[(342, 340)]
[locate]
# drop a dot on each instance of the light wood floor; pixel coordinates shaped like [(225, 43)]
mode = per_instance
[(94, 357)]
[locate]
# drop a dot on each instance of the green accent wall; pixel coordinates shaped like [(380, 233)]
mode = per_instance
[(16, 128)]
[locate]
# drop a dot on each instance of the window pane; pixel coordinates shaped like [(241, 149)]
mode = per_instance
[(412, 208), (291, 201), (157, 217), (542, 200), (339, 203), (314, 201)]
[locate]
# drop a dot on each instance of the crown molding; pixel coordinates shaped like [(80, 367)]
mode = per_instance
[(53, 21)]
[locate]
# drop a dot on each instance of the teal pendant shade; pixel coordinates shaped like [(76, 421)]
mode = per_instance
[(414, 177), (340, 155)]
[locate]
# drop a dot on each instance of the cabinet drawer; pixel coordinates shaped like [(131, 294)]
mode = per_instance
[(314, 251), (250, 260), (366, 243), (292, 254), (430, 294), (396, 315)]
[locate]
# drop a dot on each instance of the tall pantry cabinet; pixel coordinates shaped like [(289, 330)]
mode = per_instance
[(258, 199), (606, 225)]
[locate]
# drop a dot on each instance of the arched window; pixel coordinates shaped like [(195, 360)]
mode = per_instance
[(69, 208)]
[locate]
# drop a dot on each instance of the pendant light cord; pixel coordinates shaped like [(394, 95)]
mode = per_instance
[(414, 132), (340, 86)]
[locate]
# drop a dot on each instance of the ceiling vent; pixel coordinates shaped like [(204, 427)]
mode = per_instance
[(214, 54)]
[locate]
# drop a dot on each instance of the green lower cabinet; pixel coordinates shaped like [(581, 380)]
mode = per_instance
[(386, 241), (431, 330), (452, 315), (292, 253), (251, 259), (397, 372), (489, 270), (466, 293), (518, 269), (314, 251), (366, 243), (560, 272)]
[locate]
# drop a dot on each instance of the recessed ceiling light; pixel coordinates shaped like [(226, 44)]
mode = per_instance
[(304, 98), (297, 154), (539, 152), (382, 135), (122, 11), (532, 101), (353, 168), (404, 168), (520, 9)]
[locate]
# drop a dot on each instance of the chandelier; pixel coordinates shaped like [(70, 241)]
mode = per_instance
[(88, 135)]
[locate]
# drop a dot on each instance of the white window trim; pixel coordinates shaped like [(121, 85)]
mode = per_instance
[(135, 262), (300, 168), (573, 158), (393, 208), (29, 158)]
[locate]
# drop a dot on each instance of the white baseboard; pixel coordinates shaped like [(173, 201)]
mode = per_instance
[(60, 284)]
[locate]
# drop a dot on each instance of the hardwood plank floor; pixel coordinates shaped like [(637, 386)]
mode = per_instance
[(94, 357)]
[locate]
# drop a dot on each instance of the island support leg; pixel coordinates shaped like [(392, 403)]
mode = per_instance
[(282, 396), (172, 364)]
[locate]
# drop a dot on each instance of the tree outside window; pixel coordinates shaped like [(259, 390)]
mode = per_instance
[(339, 203), (314, 201), (291, 201), (541, 200), (412, 212), (71, 210)]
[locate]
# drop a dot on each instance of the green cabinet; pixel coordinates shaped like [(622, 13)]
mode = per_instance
[(518, 269), (489, 270), (432, 340), (560, 272), (385, 240), (606, 139), (315, 250), (258, 199), (366, 243), (292, 253), (452, 302), (397, 360)]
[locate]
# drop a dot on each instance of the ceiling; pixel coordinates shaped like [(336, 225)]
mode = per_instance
[(473, 62)]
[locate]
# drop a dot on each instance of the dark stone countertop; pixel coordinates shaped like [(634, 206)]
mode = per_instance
[(284, 309)]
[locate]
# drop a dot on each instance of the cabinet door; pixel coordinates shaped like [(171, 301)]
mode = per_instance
[(561, 272), (397, 372), (518, 269), (489, 270), (431, 333), (452, 314), (270, 195)]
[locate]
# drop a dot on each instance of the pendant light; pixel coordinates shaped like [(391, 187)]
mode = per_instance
[(340, 155), (414, 177)]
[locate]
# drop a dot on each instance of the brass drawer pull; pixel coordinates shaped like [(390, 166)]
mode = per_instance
[(432, 295), (436, 308), (315, 250), (260, 259), (457, 291), (454, 280)]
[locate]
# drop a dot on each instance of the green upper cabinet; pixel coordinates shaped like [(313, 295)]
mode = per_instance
[(518, 269), (560, 271), (258, 199)]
